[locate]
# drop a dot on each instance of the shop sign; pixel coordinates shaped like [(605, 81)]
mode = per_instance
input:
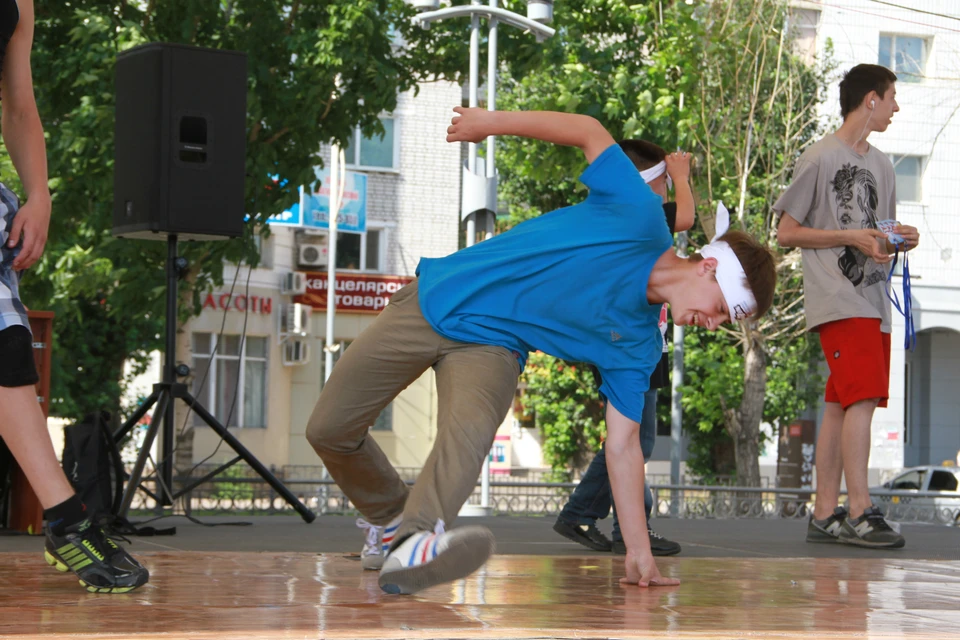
[(356, 292), (236, 302)]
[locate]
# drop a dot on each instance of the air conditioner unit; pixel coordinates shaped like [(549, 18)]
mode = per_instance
[(293, 283), (313, 255), (295, 319), (295, 353)]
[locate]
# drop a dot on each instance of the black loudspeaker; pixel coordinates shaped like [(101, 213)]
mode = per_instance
[(180, 139)]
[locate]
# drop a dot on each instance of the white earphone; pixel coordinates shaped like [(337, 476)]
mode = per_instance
[(873, 103)]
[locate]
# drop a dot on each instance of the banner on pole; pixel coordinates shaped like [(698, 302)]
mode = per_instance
[(313, 210)]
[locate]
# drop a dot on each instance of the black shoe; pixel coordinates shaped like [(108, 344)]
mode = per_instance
[(586, 534), (871, 530), (659, 545), (101, 564), (828, 529)]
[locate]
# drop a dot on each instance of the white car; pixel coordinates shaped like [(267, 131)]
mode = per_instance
[(924, 494)]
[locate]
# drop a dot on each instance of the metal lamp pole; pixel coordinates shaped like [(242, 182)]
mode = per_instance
[(337, 180), (479, 191), (676, 409)]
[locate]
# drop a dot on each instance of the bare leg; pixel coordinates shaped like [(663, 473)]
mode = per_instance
[(856, 454), (23, 428), (829, 460)]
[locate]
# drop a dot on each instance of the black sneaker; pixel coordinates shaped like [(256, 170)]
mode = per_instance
[(101, 565), (586, 534), (659, 545), (871, 530), (828, 529)]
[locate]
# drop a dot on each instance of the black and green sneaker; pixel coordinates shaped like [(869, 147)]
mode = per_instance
[(100, 563)]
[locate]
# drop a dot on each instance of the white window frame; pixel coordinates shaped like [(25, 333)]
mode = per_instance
[(895, 159), (925, 42), (381, 249), (211, 381), (354, 162)]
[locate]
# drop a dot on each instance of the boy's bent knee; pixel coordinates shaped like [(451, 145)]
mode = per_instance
[(329, 430)]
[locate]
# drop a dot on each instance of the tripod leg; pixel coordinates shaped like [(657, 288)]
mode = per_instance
[(135, 418), (162, 405), (165, 472), (256, 465)]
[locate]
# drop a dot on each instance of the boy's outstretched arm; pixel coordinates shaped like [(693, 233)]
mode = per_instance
[(569, 129), (678, 168), (625, 468)]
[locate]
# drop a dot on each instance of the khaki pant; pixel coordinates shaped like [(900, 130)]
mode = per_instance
[(475, 387)]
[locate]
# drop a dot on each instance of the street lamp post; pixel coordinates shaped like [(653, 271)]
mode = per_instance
[(479, 190)]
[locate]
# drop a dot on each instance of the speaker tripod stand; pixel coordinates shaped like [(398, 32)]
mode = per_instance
[(165, 393)]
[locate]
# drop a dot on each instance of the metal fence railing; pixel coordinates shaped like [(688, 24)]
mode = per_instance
[(239, 490)]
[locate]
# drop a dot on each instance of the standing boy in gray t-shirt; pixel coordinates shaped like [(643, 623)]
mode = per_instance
[(842, 187)]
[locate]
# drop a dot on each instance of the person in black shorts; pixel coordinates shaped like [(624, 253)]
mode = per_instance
[(73, 541)]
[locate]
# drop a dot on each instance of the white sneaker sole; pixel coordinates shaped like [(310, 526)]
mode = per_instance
[(466, 553)]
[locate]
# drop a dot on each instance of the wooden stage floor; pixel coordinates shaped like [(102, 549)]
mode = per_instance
[(303, 595)]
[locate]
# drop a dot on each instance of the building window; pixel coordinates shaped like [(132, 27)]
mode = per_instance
[(384, 421), (906, 56), (909, 171), (230, 378), (360, 251), (374, 152), (804, 24)]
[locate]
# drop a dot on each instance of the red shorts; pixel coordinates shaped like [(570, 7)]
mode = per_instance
[(858, 355)]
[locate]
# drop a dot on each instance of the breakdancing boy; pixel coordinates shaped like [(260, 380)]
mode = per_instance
[(581, 283)]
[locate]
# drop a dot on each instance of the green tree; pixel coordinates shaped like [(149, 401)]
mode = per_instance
[(563, 400), (316, 69), (749, 109), (757, 107)]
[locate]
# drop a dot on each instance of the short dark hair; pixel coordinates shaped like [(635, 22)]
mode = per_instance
[(860, 81), (643, 154), (758, 264)]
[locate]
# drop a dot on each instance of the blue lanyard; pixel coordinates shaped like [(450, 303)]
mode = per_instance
[(910, 331)]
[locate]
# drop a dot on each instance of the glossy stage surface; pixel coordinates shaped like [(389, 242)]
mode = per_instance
[(303, 595)]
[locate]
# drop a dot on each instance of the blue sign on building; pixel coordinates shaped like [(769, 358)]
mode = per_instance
[(313, 210)]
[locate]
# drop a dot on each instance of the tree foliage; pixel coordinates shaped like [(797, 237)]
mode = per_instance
[(316, 69), (563, 400), (751, 104)]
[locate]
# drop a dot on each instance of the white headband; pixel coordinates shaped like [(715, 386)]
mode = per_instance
[(730, 274), (654, 172)]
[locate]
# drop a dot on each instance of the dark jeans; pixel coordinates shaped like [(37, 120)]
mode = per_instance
[(592, 500)]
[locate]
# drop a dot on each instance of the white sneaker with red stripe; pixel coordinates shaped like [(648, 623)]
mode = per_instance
[(429, 558), (377, 543)]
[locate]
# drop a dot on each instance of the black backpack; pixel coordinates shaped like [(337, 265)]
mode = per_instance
[(93, 465)]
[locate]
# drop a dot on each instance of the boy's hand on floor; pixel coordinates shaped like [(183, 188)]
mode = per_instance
[(644, 572)]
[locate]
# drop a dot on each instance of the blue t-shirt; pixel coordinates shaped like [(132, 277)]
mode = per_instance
[(571, 283)]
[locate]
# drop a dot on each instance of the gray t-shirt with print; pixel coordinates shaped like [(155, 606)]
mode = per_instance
[(836, 188)]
